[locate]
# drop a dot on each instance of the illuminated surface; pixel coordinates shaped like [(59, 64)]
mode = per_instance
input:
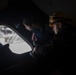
[(16, 43), (20, 48)]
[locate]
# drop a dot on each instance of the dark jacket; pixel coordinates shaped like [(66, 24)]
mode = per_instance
[(43, 38), (63, 45)]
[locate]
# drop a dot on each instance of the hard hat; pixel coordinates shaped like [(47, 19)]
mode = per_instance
[(57, 16)]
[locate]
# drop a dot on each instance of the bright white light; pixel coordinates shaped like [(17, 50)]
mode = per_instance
[(20, 48), (16, 44)]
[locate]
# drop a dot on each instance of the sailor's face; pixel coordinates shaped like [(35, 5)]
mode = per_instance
[(56, 27)]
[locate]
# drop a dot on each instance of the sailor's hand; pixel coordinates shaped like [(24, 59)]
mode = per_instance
[(33, 49)]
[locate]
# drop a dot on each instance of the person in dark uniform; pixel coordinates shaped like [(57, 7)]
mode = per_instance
[(63, 40), (41, 36)]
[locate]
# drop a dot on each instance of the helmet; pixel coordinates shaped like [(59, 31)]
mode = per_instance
[(58, 16)]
